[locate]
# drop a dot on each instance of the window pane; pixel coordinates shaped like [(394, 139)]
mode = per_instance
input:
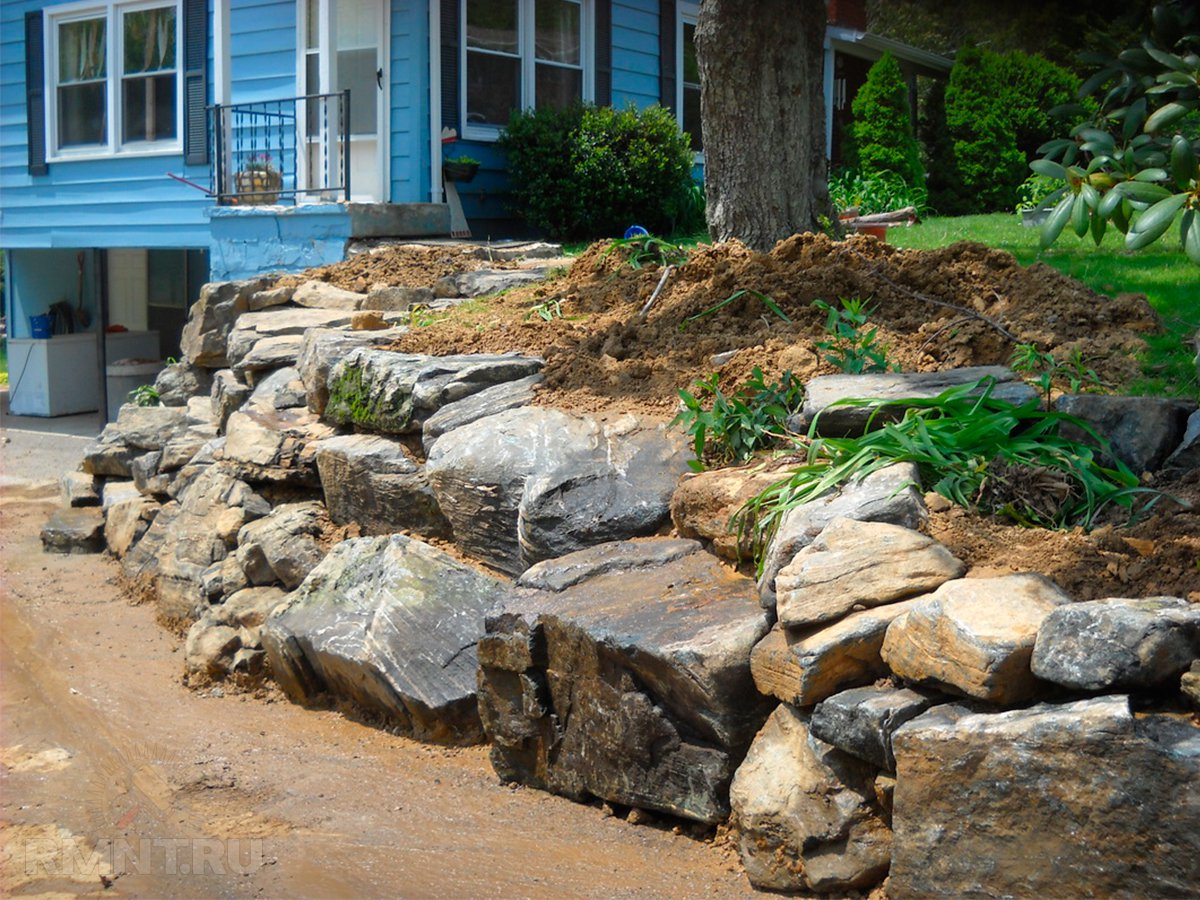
[(312, 25), (691, 116), (691, 70), (557, 31), (81, 119), (149, 40), (356, 71), (558, 87), (81, 51), (492, 25), (493, 88), (148, 108)]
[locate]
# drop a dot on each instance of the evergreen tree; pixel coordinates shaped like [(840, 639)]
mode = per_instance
[(882, 136)]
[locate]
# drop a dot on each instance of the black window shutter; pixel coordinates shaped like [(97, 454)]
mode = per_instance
[(195, 82), (603, 53), (35, 92), (667, 53), (451, 29)]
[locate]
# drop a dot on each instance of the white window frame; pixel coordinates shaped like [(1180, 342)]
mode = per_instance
[(685, 13), (111, 11), (528, 56)]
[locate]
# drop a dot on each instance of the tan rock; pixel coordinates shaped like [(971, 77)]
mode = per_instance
[(703, 504), (1189, 684), (975, 636), (319, 295), (806, 667), (859, 564)]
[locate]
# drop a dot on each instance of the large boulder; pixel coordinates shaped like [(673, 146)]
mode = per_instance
[(126, 521), (859, 564), (890, 389), (322, 348), (389, 624), (150, 427), (1082, 800), (975, 637), (372, 480), (395, 393), (283, 546), (488, 402), (892, 494), (703, 504), (1142, 431), (179, 382), (623, 672), (805, 813), (275, 446), (205, 336), (1119, 643)]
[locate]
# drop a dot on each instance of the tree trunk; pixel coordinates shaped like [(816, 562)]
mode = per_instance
[(763, 113)]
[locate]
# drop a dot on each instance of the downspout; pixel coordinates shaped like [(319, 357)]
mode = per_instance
[(435, 102), (828, 86)]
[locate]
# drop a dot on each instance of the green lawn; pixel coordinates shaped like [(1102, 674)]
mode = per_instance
[(1170, 282)]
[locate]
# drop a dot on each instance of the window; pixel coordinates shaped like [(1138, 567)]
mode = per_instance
[(115, 76), (521, 54), (688, 77)]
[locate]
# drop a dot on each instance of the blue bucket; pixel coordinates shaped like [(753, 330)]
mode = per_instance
[(39, 326)]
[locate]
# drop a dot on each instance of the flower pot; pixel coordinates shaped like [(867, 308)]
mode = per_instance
[(875, 231), (461, 172), (258, 187), (1033, 218)]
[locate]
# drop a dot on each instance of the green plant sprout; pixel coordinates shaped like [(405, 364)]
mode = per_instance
[(1044, 370), (852, 349), (762, 298), (646, 250)]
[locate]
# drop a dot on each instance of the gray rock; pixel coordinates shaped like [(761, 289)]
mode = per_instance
[(488, 402), (486, 281), (150, 427), (390, 624), (397, 298), (78, 489), (632, 685), (974, 636), (74, 530), (1186, 456), (148, 476), (395, 393), (821, 393), (804, 666), (891, 495), (319, 295), (1082, 799), (518, 250), (479, 473), (1118, 643), (804, 813), (1189, 684), (228, 394), (211, 318), (283, 546), (371, 480), (861, 721), (285, 321), (859, 564), (179, 382), (281, 389), (274, 446), (226, 640), (117, 491), (180, 450), (223, 579), (276, 296), (109, 455), (268, 353), (621, 490), (208, 650), (323, 348), (125, 523), (1142, 431)]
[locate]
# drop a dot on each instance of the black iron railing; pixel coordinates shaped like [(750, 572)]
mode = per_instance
[(281, 151)]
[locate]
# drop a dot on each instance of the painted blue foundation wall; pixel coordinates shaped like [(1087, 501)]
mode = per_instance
[(248, 241)]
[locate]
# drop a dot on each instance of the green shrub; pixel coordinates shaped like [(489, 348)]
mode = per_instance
[(996, 116), (590, 172), (875, 192), (881, 134)]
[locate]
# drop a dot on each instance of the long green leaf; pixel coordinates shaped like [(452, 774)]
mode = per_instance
[(1183, 162), (1142, 192), (1165, 116), (1049, 168), (1057, 221), (1159, 217), (1191, 246)]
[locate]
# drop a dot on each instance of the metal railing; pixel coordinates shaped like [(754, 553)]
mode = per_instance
[(282, 151)]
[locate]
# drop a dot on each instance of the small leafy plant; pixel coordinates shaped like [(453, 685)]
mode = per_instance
[(462, 161), (146, 395), (548, 309), (1044, 371), (875, 192), (852, 347), (260, 162), (762, 298), (738, 424), (646, 249)]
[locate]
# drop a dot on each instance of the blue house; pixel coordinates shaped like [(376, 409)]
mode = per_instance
[(148, 146)]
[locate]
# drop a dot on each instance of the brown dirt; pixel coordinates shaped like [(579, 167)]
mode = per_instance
[(406, 265), (102, 743)]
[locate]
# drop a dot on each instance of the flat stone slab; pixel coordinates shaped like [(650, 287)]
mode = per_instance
[(320, 295), (322, 348), (855, 564), (488, 402), (205, 336), (892, 494), (390, 624), (1118, 644), (487, 281), (861, 721), (822, 392), (975, 636), (805, 814), (1082, 799), (74, 530), (625, 677), (149, 427), (78, 489)]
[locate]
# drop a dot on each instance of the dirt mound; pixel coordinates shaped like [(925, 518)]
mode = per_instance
[(406, 265), (962, 305)]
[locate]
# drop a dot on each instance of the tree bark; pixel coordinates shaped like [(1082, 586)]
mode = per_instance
[(762, 103)]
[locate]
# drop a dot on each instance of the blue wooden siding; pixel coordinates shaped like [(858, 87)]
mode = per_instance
[(262, 50), (635, 52), (123, 201), (409, 113)]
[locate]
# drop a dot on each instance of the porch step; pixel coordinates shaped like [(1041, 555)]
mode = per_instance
[(372, 220)]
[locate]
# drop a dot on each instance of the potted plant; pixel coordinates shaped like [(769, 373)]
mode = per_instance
[(460, 168), (1031, 200), (258, 181)]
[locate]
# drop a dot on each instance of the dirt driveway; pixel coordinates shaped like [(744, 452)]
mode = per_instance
[(119, 781)]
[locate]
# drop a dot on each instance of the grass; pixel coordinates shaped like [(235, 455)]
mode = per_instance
[(3, 362), (1161, 272)]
